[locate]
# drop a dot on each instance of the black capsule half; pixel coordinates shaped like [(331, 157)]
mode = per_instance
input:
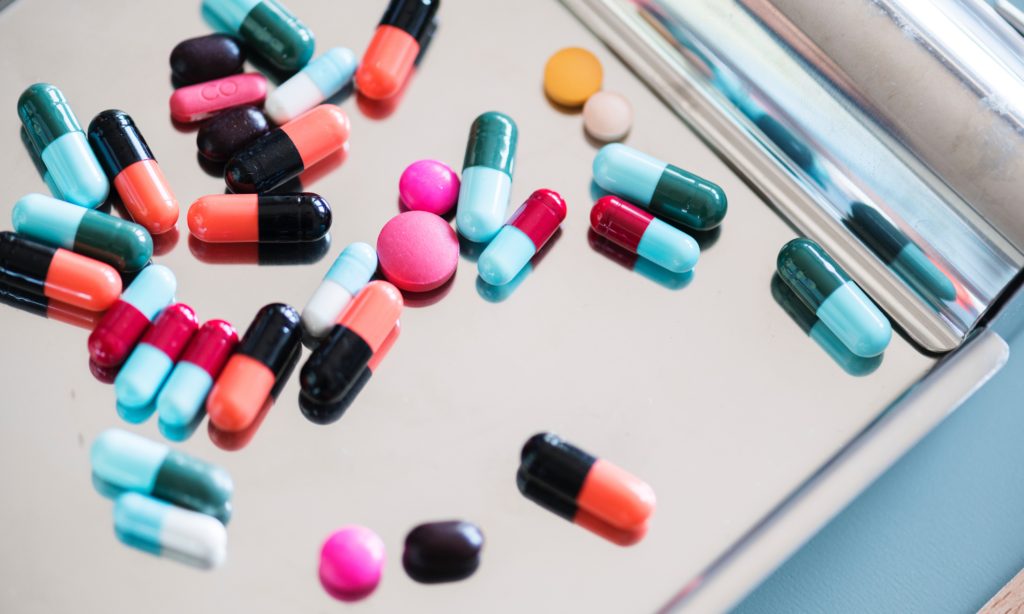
[(329, 413), (265, 164), (231, 131), (335, 366), (413, 16), (205, 58), (273, 337), (442, 551), (117, 141), (556, 463)]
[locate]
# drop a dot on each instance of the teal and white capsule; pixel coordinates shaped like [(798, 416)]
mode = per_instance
[(825, 288), (525, 233), (641, 233), (54, 130), (319, 80), (667, 191), (122, 244), (486, 176), (162, 529), (352, 270), (126, 462), (143, 374)]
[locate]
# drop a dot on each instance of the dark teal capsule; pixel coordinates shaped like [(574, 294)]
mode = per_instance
[(268, 29)]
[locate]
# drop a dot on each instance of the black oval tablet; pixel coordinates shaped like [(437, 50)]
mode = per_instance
[(231, 131), (205, 58), (442, 551)]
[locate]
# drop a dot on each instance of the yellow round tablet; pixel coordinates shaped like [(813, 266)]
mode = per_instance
[(571, 76)]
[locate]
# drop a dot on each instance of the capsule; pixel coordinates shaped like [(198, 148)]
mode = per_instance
[(52, 310), (136, 175), (641, 266), (318, 81), (825, 288), (667, 191), (149, 364), (165, 530), (392, 52), (602, 489), (268, 29), (182, 396), (486, 176), (132, 463), (55, 133), (250, 375), (195, 103), (230, 132), (119, 243), (523, 235), (351, 271), (124, 323), (248, 218), (640, 232), (57, 273), (287, 151), (338, 361)]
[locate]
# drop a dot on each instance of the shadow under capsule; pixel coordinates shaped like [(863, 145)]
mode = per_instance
[(637, 264), (48, 308), (416, 300), (262, 254), (497, 294)]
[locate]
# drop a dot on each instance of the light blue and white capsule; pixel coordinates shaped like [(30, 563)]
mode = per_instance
[(163, 529), (486, 176), (353, 269), (322, 78)]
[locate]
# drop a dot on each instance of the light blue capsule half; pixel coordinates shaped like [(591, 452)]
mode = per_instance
[(182, 397), (75, 170), (627, 172), (855, 320), (142, 375), (483, 199), (857, 366), (47, 219), (332, 71), (669, 247), (505, 256), (231, 13), (497, 294), (127, 460), (912, 264), (152, 290), (138, 521), (669, 280), (353, 267)]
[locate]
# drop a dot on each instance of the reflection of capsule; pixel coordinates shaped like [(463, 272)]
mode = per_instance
[(392, 52), (826, 289), (633, 262), (525, 233), (899, 252), (126, 321), (151, 361), (351, 271), (318, 81), (262, 254), (817, 330), (165, 530), (486, 176), (182, 396), (42, 306), (640, 232), (250, 218), (268, 29)]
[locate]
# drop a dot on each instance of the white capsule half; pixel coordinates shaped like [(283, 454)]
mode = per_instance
[(351, 271), (160, 528), (319, 80)]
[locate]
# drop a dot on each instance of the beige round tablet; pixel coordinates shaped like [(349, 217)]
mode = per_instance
[(607, 116)]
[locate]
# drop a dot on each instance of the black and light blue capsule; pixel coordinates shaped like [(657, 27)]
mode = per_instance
[(825, 288)]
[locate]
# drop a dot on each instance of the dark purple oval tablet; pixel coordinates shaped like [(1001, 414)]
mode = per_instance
[(231, 131), (205, 58), (442, 551)]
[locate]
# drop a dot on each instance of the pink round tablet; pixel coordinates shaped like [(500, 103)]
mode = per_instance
[(351, 561), (429, 185), (417, 251)]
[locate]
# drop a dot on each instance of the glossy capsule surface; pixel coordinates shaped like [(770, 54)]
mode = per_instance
[(124, 323), (336, 364), (638, 231), (486, 176), (319, 80), (41, 306), (442, 551), (55, 133), (287, 151), (130, 462), (248, 218), (183, 394), (523, 235), (250, 374), (119, 243), (825, 288), (149, 364), (57, 273), (349, 273), (268, 29), (667, 191), (195, 103), (229, 132), (165, 530), (134, 171), (391, 55), (205, 58)]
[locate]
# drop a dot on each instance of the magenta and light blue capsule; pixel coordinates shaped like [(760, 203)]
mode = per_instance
[(641, 233), (826, 289), (526, 232), (486, 176), (143, 374), (351, 271), (159, 528), (322, 78)]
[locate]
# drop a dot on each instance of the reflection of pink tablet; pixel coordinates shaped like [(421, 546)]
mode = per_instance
[(417, 251), (197, 102)]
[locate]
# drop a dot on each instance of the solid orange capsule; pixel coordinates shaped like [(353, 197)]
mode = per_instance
[(248, 218)]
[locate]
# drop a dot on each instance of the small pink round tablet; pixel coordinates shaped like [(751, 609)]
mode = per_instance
[(417, 251), (429, 185), (351, 561)]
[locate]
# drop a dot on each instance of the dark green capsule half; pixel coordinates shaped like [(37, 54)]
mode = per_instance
[(810, 272), (277, 36), (492, 142), (46, 114), (124, 245), (194, 484)]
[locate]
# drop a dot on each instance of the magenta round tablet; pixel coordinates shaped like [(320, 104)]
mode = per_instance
[(429, 185), (351, 561), (417, 251)]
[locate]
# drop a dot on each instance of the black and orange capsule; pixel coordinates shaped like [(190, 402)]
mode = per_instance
[(251, 218), (391, 55), (53, 310)]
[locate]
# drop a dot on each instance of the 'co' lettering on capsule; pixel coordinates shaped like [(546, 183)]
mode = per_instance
[(640, 232), (124, 323), (339, 360), (160, 528), (119, 243), (667, 191), (56, 134), (268, 29), (57, 273), (149, 364), (285, 152), (261, 359), (486, 176), (392, 52), (523, 235), (318, 81), (129, 163), (249, 218), (194, 103), (182, 396), (130, 462), (350, 272)]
